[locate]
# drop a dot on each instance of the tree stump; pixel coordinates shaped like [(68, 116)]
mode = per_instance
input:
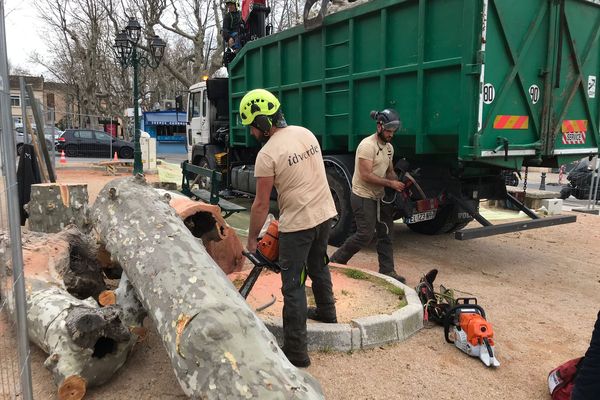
[(218, 347), (53, 206)]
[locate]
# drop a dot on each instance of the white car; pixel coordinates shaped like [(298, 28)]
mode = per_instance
[(19, 138)]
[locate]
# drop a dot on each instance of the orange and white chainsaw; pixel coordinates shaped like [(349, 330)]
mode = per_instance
[(465, 326)]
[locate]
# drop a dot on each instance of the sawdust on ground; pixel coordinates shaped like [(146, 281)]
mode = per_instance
[(540, 290)]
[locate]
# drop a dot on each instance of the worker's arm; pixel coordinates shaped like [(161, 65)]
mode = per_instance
[(390, 173), (259, 210), (365, 169)]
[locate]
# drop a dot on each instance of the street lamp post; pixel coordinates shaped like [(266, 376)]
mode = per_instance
[(126, 44)]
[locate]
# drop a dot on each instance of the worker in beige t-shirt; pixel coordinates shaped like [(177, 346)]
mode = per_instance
[(291, 161), (373, 172)]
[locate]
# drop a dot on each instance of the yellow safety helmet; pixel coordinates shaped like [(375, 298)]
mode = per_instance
[(256, 103)]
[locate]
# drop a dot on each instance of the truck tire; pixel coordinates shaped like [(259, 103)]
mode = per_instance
[(341, 226), (444, 222)]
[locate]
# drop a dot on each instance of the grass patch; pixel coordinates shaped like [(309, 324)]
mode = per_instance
[(345, 292), (356, 274)]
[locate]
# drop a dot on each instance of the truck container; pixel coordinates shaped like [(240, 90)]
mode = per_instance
[(481, 86)]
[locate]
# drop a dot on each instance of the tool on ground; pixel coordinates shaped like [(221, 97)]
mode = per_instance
[(435, 304), (465, 326), (265, 256)]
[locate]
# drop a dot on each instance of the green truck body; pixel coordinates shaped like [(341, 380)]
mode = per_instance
[(471, 79), (481, 86)]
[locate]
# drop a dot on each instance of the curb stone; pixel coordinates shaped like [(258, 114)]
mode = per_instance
[(363, 332)]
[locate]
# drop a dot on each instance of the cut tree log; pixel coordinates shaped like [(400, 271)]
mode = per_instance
[(53, 206), (85, 344), (218, 347)]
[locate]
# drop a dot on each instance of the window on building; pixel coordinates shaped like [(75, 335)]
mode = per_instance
[(204, 102), (50, 100), (170, 130), (15, 100)]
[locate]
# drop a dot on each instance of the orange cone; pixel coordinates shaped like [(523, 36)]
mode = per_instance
[(115, 158), (63, 159)]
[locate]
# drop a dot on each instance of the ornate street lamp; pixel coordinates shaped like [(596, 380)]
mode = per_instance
[(129, 55)]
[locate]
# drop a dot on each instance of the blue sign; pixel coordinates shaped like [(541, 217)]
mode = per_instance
[(171, 138)]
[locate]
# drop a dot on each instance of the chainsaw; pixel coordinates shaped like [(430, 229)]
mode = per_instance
[(465, 326), (265, 256)]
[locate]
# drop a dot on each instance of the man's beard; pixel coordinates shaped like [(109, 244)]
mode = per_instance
[(381, 137)]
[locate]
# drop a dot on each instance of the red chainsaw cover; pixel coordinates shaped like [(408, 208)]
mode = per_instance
[(562, 379)]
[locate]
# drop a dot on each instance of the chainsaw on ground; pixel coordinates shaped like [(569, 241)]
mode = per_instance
[(265, 256), (465, 326)]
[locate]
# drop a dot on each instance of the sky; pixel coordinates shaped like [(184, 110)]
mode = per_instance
[(22, 34)]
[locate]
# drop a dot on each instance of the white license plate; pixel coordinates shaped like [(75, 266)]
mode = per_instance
[(420, 217)]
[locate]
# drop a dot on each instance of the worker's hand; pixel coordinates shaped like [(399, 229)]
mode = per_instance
[(251, 245), (397, 185)]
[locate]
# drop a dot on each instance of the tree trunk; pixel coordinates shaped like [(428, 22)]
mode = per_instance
[(53, 206), (218, 347)]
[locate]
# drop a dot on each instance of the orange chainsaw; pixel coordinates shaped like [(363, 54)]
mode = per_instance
[(465, 326), (265, 256)]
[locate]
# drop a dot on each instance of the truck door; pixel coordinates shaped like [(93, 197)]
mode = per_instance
[(195, 119), (574, 113)]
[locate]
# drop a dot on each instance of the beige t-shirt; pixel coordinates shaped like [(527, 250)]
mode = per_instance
[(382, 156), (293, 156)]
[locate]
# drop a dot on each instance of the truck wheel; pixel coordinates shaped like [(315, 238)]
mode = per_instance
[(341, 226), (443, 222)]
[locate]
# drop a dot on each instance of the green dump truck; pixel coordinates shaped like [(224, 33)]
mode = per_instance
[(482, 86)]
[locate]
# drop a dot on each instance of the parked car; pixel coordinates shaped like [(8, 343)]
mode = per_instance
[(20, 139), (89, 142)]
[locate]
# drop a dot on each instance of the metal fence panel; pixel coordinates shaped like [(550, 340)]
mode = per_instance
[(15, 371)]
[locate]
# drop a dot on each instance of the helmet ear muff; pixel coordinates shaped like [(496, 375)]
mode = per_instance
[(262, 123)]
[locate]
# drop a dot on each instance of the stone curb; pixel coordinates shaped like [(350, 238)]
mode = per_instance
[(364, 332)]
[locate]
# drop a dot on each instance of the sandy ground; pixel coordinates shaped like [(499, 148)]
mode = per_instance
[(540, 289)]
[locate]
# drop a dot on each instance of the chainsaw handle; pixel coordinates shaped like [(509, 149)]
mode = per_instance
[(452, 313)]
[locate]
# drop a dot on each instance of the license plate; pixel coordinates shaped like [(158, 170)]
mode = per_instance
[(420, 217)]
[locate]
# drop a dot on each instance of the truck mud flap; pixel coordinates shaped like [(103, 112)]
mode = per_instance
[(489, 229)]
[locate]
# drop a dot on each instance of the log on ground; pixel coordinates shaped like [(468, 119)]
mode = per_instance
[(218, 347)]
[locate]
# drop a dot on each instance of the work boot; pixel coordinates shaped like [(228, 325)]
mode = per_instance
[(393, 274), (296, 360), (313, 313)]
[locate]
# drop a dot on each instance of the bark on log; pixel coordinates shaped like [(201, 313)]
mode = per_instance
[(218, 347), (53, 206)]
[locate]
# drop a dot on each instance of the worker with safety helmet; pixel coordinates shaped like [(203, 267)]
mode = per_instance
[(291, 161), (232, 20), (374, 172)]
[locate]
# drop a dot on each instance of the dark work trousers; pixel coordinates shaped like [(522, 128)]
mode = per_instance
[(367, 224), (587, 381), (303, 253)]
